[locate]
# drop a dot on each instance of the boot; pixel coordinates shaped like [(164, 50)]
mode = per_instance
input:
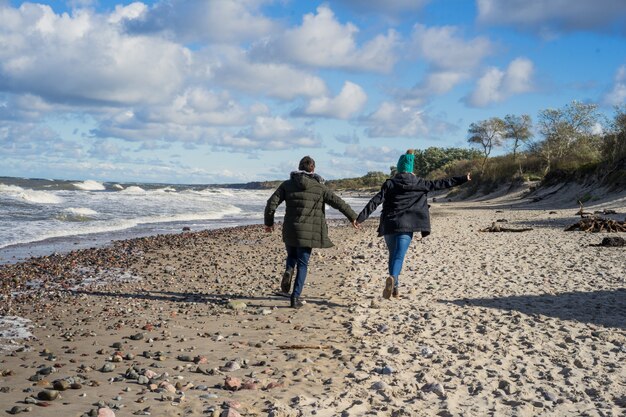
[(296, 303), (285, 284), (388, 288)]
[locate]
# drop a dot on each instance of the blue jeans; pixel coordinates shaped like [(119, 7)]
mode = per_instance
[(398, 244), (299, 257)]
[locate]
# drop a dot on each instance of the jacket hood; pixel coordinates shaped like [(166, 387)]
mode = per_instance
[(406, 181), (303, 178)]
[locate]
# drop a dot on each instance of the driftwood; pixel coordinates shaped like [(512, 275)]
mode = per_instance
[(304, 347), (495, 227), (612, 242), (582, 213), (598, 224)]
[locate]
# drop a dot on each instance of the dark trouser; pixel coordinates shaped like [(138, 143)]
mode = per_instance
[(299, 257)]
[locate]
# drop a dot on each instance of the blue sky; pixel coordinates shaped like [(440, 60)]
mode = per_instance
[(189, 91)]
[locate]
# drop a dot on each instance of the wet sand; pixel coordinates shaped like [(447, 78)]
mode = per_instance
[(500, 324)]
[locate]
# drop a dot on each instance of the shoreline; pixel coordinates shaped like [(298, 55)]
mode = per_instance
[(528, 324)]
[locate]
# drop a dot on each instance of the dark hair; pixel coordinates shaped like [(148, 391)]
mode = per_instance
[(307, 164)]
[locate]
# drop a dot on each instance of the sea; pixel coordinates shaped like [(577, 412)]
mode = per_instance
[(39, 217)]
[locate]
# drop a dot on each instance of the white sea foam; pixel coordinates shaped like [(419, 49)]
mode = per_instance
[(133, 189), (166, 190), (77, 214), (117, 187), (30, 196), (13, 327), (89, 185), (99, 226)]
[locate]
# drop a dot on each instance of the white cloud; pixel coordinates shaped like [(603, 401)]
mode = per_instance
[(379, 154), (550, 17), (269, 79), (322, 41), (269, 133), (451, 58), (396, 120), (444, 49), (33, 140), (84, 59), (496, 85), (201, 20), (617, 95), (350, 101)]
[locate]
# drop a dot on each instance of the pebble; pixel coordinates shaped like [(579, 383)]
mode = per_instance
[(435, 387), (105, 412), (107, 367), (230, 366), (379, 385), (232, 383), (48, 395), (237, 305), (18, 409), (61, 385), (387, 370)]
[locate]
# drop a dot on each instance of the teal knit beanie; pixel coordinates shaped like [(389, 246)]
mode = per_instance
[(405, 163)]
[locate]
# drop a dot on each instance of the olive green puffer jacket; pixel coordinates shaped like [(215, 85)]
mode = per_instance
[(305, 218)]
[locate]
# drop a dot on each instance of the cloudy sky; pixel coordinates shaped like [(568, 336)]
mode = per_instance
[(199, 91)]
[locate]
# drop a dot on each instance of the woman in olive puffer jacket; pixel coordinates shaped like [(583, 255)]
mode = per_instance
[(304, 226)]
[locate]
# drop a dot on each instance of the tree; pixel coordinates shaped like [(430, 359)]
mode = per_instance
[(433, 158), (614, 142), (562, 128), (518, 130), (486, 134)]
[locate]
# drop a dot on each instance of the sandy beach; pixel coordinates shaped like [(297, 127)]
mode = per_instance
[(488, 324)]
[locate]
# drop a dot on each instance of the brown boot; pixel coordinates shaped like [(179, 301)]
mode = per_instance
[(388, 288), (394, 293)]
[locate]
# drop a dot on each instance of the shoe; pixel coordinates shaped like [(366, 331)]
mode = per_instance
[(285, 284), (296, 303), (388, 288), (394, 293)]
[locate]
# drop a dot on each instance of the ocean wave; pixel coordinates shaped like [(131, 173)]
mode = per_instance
[(133, 189), (165, 190), (117, 187), (80, 214), (30, 196), (98, 226), (89, 185)]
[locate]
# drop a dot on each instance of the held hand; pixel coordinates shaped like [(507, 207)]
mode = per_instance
[(355, 224), (469, 176), (269, 229)]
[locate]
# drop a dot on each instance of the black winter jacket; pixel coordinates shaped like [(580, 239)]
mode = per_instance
[(305, 198), (405, 207)]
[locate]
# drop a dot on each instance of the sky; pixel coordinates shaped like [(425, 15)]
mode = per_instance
[(209, 92)]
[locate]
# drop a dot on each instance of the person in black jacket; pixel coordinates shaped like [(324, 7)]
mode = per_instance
[(405, 210)]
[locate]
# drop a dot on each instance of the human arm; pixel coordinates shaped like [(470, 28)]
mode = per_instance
[(446, 183), (371, 206), (338, 203), (270, 208)]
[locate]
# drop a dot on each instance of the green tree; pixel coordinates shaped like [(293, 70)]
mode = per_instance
[(614, 143), (433, 158), (486, 134), (518, 130), (564, 127)]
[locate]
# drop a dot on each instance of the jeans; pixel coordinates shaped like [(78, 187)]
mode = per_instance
[(398, 244), (297, 256)]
